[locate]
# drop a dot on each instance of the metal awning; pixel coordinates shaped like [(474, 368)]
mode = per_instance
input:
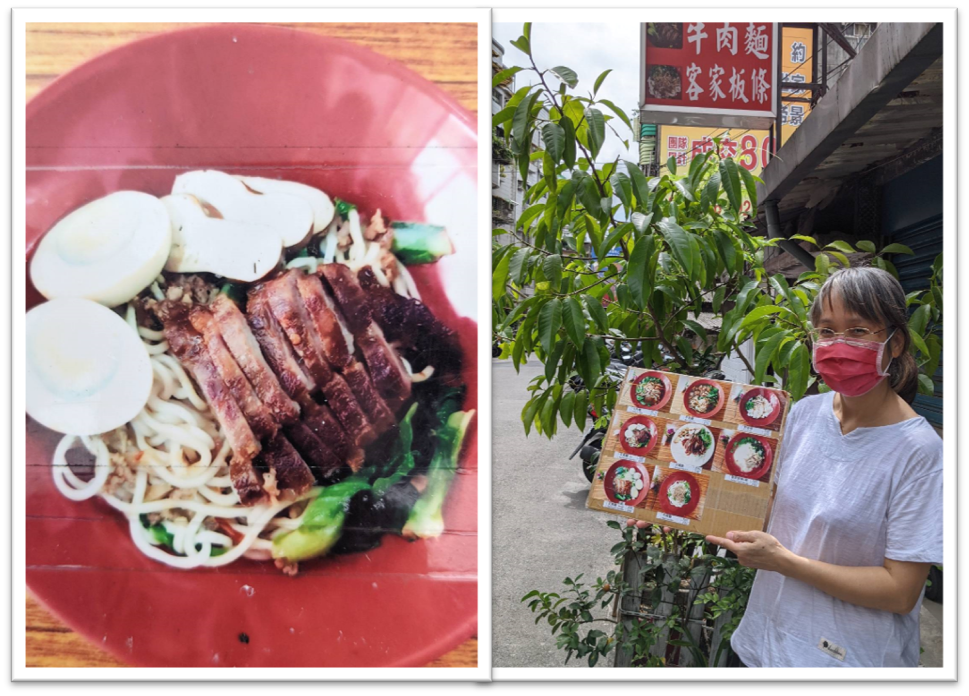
[(887, 103)]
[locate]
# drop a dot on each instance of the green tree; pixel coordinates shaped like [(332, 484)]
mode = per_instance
[(684, 246)]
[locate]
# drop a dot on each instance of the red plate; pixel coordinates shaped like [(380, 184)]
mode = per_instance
[(607, 483), (715, 409), (664, 501), (768, 394), (653, 430), (282, 103), (667, 390), (759, 471)]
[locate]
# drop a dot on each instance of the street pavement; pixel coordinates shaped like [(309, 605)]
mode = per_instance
[(543, 533)]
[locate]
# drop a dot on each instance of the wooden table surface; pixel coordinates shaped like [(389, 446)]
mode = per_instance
[(445, 54)]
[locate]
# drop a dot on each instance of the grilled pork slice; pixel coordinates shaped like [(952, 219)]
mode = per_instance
[(282, 297), (276, 349), (258, 416), (313, 450), (324, 423), (245, 349), (410, 325), (376, 408), (188, 346), (386, 369), (338, 350), (284, 461), (336, 339), (344, 404)]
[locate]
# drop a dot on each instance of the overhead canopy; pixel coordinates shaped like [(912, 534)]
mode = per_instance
[(887, 103)]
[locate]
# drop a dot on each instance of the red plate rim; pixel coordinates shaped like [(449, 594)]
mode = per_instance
[(667, 389), (643, 420), (458, 631), (762, 391), (732, 465), (711, 382)]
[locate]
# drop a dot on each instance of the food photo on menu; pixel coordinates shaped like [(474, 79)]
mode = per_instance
[(251, 373)]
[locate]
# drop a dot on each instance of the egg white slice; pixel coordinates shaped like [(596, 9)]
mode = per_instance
[(88, 372)]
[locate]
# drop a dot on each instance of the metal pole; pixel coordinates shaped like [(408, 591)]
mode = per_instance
[(777, 137), (774, 232)]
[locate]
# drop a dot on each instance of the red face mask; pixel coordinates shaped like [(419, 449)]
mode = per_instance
[(850, 367)]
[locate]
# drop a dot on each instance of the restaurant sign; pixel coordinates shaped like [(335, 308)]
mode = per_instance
[(708, 74)]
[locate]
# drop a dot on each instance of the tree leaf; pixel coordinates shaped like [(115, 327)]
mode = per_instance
[(897, 249), (751, 187), (528, 413), (679, 241), (580, 408), (920, 344), (919, 319), (552, 268), (805, 238), (684, 189), (597, 313), (549, 322), (926, 385), (641, 222), (553, 136), (718, 299), (640, 185), (589, 362), (623, 189), (841, 246), (636, 270), (523, 45), (552, 359), (759, 313), (523, 116), (588, 193), (710, 192), (730, 179), (763, 352), (504, 75), (500, 276), (799, 370), (568, 142), (566, 406), (574, 321), (618, 112), (597, 130), (610, 242), (865, 245), (599, 80), (517, 263), (566, 75)]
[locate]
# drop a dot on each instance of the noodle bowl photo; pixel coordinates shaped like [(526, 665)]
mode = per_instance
[(242, 360)]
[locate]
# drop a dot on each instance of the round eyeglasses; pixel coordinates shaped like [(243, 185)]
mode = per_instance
[(858, 333)]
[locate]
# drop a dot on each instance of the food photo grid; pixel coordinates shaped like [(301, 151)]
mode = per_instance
[(690, 452)]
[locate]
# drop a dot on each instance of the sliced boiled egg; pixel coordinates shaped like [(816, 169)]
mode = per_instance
[(290, 216), (88, 372), (320, 203), (243, 251), (108, 250)]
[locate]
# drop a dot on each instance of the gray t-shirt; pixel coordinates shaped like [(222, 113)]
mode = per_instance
[(851, 500)]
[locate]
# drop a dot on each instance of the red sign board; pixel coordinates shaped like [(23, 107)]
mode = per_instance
[(709, 74)]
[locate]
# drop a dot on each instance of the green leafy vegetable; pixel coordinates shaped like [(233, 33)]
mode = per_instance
[(417, 242), (343, 208)]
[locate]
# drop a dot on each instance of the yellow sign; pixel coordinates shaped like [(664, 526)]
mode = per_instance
[(751, 148), (797, 60)]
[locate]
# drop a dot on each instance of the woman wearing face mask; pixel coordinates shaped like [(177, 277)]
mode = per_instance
[(857, 518)]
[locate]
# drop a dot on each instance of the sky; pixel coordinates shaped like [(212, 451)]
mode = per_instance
[(588, 49)]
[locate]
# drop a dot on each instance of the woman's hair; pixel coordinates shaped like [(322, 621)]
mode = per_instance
[(876, 296)]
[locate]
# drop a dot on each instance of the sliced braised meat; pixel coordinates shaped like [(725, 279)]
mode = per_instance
[(376, 408), (409, 324), (386, 369), (260, 420), (245, 349), (336, 339), (313, 450), (282, 297), (350, 296), (322, 421), (276, 349), (344, 404), (188, 346), (284, 461), (247, 482)]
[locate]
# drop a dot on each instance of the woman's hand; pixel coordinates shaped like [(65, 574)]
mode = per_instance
[(756, 550)]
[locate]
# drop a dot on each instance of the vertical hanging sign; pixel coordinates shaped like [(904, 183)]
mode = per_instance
[(708, 74)]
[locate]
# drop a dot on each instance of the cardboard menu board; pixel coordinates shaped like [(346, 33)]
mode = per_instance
[(691, 453)]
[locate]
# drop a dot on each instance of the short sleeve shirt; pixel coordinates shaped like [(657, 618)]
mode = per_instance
[(850, 500)]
